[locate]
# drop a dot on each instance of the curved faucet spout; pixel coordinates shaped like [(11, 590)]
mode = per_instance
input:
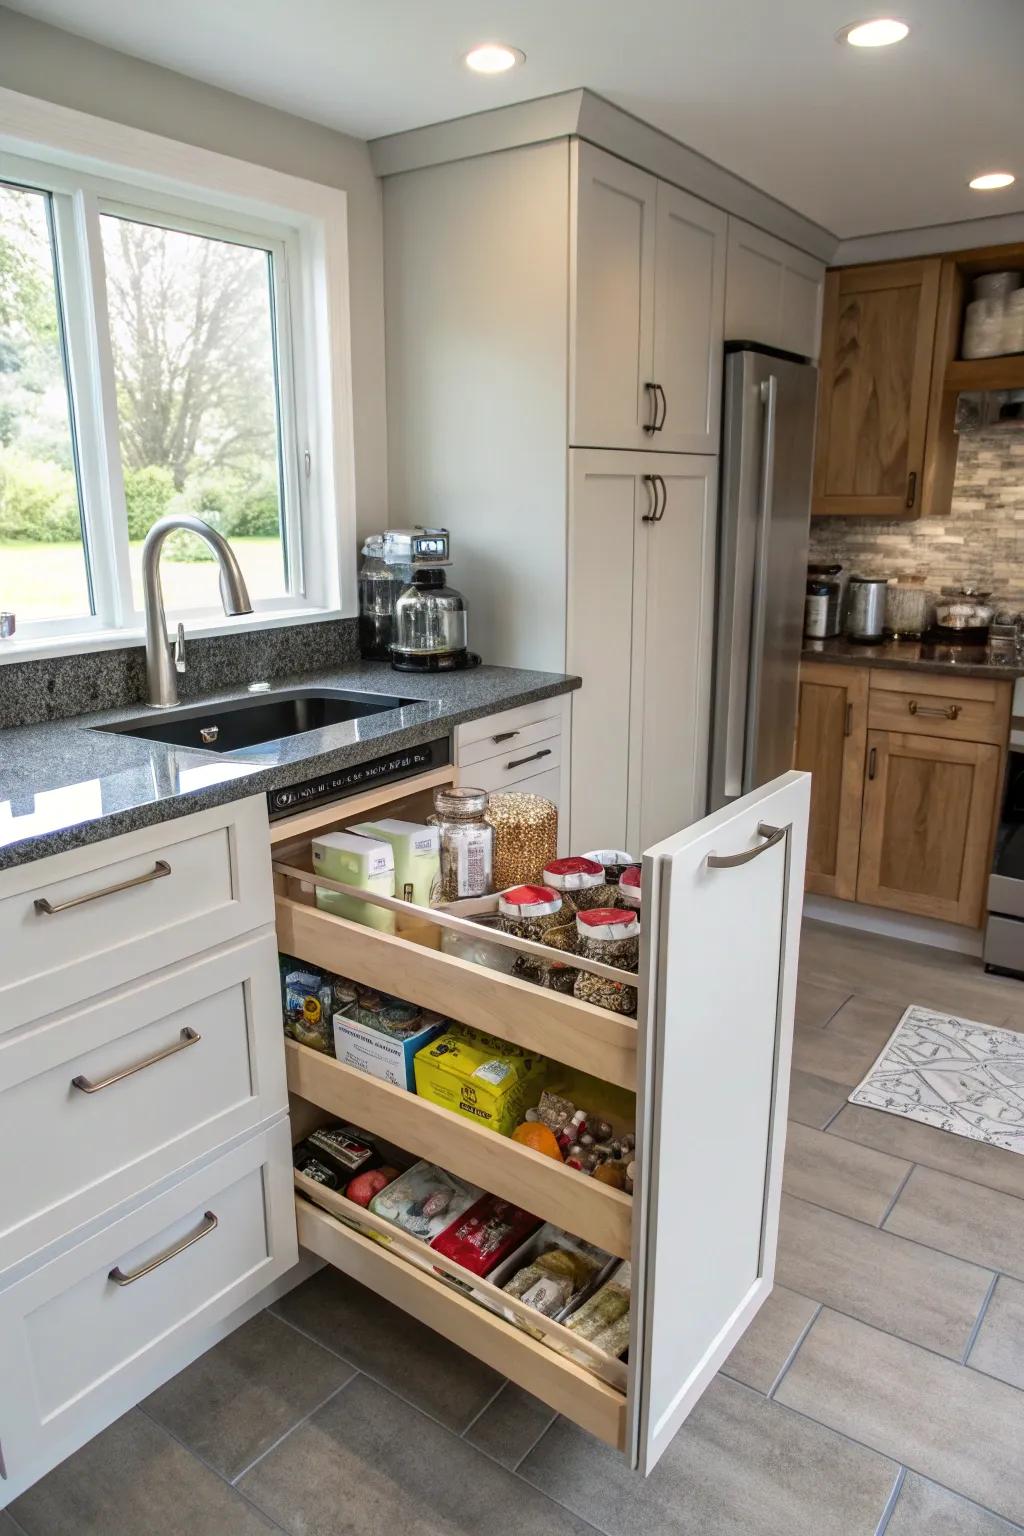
[(160, 671)]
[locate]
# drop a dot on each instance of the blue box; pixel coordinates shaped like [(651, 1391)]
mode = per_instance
[(383, 1055)]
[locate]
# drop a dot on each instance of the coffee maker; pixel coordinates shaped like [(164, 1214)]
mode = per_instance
[(407, 612)]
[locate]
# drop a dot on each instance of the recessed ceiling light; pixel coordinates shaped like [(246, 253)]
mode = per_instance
[(990, 181), (493, 58), (878, 33)]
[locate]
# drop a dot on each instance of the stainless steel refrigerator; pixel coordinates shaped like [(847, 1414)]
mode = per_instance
[(764, 523)]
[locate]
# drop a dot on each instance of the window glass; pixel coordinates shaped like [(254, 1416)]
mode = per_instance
[(193, 339), (44, 572)]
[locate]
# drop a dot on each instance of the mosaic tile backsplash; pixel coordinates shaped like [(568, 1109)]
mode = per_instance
[(981, 541)]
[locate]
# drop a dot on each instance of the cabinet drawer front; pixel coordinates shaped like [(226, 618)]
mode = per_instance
[(476, 739), (508, 771), (507, 741), (201, 1056), (959, 709), (79, 1345), (83, 922)]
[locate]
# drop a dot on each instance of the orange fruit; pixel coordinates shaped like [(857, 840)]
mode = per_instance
[(532, 1133)]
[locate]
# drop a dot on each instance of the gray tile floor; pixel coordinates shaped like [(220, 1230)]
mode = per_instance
[(881, 1388)]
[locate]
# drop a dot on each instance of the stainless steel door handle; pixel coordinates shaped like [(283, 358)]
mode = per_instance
[(188, 1037), (945, 712), (159, 871), (769, 400), (129, 1276), (771, 835), (517, 762)]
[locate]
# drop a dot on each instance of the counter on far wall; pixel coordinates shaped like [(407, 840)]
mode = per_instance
[(908, 656)]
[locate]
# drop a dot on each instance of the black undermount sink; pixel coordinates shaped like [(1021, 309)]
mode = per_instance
[(241, 723)]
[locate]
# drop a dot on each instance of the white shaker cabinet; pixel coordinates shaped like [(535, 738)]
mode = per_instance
[(773, 292), (648, 264), (640, 620)]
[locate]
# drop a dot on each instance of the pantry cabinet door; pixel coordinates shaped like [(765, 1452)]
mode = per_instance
[(673, 623), (612, 301), (722, 906), (689, 319)]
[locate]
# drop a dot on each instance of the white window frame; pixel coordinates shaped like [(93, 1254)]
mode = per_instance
[(92, 166)]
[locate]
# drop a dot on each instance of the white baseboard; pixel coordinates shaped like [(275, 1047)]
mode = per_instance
[(895, 925)]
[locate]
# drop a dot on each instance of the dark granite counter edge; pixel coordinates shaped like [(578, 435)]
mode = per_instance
[(173, 806), (901, 657)]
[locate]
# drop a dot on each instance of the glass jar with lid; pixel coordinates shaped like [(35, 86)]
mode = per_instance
[(822, 603), (467, 842)]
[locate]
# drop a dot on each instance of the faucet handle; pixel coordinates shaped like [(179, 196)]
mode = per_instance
[(180, 664)]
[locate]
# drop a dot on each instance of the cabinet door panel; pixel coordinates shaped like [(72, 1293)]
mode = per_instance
[(673, 616), (830, 745), (773, 292), (602, 512), (689, 298), (876, 359), (929, 808), (613, 310), (716, 1021)]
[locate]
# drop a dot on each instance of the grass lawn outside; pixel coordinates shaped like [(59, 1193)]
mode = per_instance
[(47, 581)]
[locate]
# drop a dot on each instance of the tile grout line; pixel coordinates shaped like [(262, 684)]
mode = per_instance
[(534, 1444), (843, 1105), (202, 1462), (480, 1412), (921, 1162), (890, 1503), (16, 1523), (795, 1350), (234, 1481), (982, 1310), (890, 1207)]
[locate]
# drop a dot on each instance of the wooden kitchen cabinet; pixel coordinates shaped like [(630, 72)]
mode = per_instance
[(830, 744), (927, 828), (877, 347), (648, 312)]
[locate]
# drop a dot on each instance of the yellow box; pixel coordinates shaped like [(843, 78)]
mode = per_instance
[(481, 1077)]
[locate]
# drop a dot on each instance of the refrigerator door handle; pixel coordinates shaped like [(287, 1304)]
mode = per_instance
[(769, 401)]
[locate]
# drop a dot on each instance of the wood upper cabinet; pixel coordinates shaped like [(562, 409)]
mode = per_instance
[(877, 346), (830, 744), (647, 310), (927, 831), (773, 292)]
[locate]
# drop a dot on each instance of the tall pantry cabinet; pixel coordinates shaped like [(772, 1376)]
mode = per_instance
[(554, 353)]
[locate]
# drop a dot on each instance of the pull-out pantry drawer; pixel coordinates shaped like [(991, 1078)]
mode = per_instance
[(103, 1100), (86, 1336), (85, 921), (955, 708)]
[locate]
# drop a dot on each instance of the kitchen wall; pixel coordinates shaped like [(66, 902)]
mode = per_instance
[(40, 60), (981, 541)]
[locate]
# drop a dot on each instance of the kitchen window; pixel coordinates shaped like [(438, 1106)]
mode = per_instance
[(155, 357)]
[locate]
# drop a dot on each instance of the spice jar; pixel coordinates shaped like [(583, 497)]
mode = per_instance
[(628, 893), (613, 861), (525, 837), (467, 842), (533, 912), (612, 936), (579, 882)]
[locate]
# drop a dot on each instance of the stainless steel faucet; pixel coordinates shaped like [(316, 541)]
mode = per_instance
[(164, 661)]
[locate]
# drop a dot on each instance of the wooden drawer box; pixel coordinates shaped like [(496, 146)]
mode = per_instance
[(959, 709), (107, 1099), (90, 1333), (83, 922)]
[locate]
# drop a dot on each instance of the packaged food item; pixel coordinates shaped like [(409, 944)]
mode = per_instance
[(580, 883), (314, 1169), (613, 861), (416, 850), (558, 1273), (479, 1076), (305, 1001), (364, 1186), (530, 912), (525, 836), (586, 1141), (467, 842), (365, 862), (627, 893), (485, 1234), (424, 1200), (612, 936), (380, 1035), (603, 1318), (344, 1149)]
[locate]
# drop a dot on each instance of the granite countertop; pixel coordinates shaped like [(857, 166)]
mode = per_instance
[(63, 784), (911, 656)]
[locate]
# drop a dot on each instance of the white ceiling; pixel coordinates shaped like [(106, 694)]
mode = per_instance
[(859, 140)]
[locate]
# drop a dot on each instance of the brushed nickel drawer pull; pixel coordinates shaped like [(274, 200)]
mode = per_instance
[(771, 835), (946, 712), (517, 762), (159, 871), (128, 1277), (504, 736), (188, 1037)]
